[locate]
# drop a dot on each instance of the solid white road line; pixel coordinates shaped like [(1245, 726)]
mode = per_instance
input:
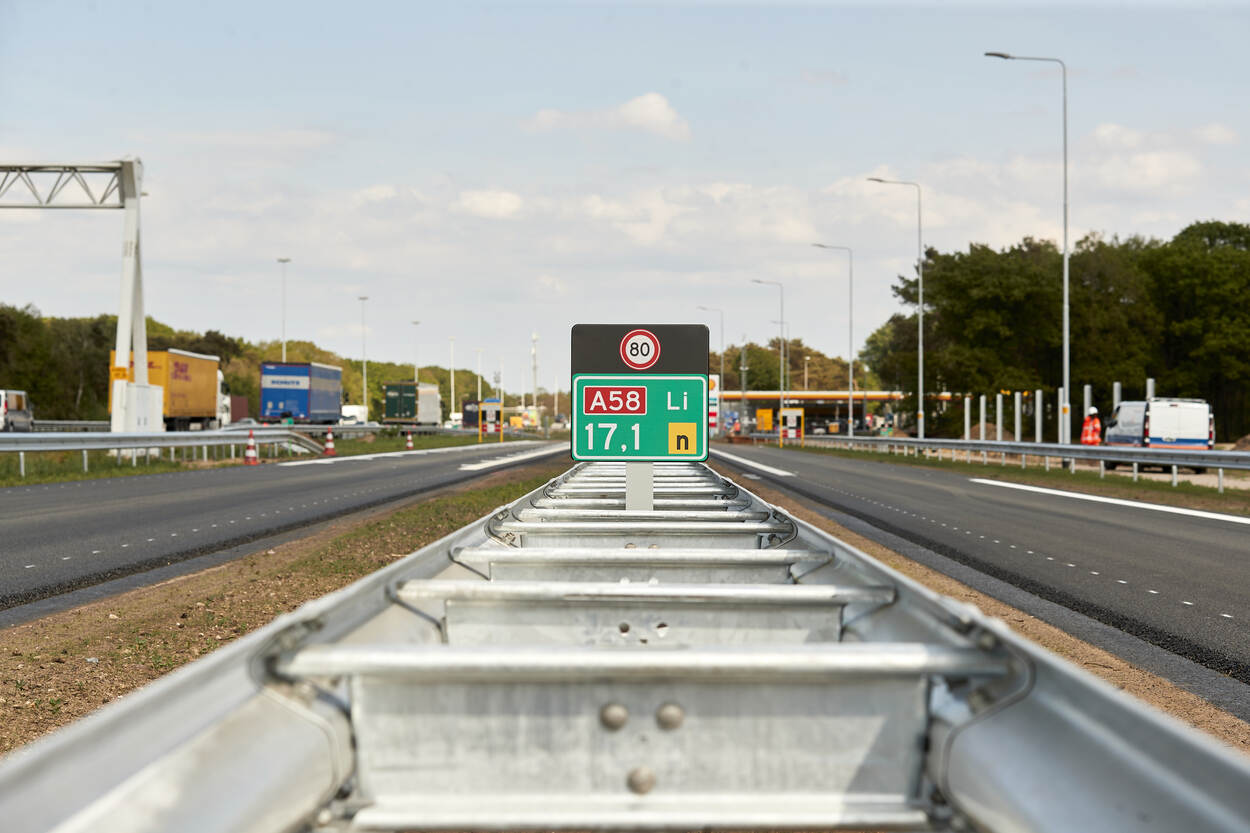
[(512, 458), (359, 458), (734, 458), (1115, 501)]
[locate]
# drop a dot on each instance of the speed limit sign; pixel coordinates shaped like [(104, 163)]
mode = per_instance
[(640, 349)]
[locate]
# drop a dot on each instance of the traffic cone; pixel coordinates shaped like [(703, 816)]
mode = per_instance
[(330, 452), (250, 457), (408, 445)]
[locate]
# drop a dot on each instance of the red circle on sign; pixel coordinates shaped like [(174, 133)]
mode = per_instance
[(640, 349)]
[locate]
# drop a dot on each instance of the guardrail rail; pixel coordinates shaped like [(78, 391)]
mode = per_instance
[(565, 664), (147, 445), (1106, 456)]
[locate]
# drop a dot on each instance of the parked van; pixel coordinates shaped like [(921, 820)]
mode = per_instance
[(15, 411), (1161, 423)]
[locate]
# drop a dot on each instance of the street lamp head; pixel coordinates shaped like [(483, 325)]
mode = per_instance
[(875, 179), (284, 260), (363, 298), (1002, 55)]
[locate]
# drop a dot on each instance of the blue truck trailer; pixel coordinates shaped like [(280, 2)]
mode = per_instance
[(300, 391)]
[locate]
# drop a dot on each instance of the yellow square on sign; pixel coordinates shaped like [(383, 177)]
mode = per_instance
[(682, 437)]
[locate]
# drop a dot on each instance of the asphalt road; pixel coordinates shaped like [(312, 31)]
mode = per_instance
[(61, 537), (1176, 580)]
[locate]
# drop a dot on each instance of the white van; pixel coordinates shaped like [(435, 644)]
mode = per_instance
[(1161, 423), (15, 411)]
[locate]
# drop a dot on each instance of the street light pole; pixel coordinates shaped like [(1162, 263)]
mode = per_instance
[(284, 261), (364, 360), (850, 335), (451, 407), (1065, 406), (416, 366), (920, 304), (479, 378), (781, 378)]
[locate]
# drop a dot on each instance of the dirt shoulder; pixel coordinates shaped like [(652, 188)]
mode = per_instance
[(59, 668), (1143, 685)]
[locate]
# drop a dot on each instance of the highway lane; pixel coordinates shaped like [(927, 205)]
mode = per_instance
[(59, 537), (1178, 581)]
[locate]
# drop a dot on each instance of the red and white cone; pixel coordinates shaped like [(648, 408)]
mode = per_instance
[(250, 457), (408, 445), (330, 452)]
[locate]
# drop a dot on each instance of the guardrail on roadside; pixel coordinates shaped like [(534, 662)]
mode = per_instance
[(1167, 458), (70, 424), (146, 443)]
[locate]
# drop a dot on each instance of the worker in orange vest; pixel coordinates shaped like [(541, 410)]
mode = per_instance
[(1091, 429)]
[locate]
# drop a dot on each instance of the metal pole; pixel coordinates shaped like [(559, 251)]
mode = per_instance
[(967, 418), (284, 261), (1038, 413), (639, 487), (998, 417), (84, 461), (479, 383), (1019, 416), (21, 463), (416, 367), (1062, 398), (1087, 397), (1065, 407), (1117, 391), (451, 406), (1150, 389), (850, 334), (981, 437), (364, 360)]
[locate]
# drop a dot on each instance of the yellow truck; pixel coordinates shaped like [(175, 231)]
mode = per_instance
[(195, 393)]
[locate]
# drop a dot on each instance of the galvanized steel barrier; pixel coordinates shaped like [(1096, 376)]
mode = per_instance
[(565, 664), (85, 441), (1165, 458), (70, 424)]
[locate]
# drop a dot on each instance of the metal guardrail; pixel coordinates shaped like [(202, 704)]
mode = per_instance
[(70, 424), (1166, 458), (142, 445), (565, 664)]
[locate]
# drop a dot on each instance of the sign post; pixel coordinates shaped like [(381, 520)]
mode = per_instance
[(640, 395)]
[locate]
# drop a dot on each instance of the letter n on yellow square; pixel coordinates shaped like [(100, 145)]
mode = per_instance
[(682, 437)]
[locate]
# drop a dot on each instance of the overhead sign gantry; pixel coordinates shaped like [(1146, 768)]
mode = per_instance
[(136, 405)]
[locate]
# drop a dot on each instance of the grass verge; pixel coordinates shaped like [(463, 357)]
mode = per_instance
[(1187, 495), (56, 669)]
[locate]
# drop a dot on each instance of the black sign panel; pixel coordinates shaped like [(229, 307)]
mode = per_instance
[(640, 348)]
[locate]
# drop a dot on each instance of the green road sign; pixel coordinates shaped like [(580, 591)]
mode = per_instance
[(639, 417)]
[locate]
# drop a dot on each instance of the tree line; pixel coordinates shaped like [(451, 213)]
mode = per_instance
[(63, 364), (1177, 311)]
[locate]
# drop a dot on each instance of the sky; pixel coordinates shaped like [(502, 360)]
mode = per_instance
[(496, 171)]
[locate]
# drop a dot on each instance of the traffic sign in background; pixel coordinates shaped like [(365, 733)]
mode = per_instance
[(640, 392)]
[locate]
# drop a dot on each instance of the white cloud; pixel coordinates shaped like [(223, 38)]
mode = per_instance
[(823, 77), (1117, 136), (1216, 134), (1149, 171), (650, 113), (491, 205)]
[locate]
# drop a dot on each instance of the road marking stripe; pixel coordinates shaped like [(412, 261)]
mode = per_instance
[(511, 458), (1115, 501), (734, 458), (359, 458)]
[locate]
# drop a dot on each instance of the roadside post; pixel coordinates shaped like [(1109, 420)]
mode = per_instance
[(640, 396)]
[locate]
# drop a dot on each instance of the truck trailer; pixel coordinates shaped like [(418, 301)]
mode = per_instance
[(409, 403), (195, 395), (303, 392)]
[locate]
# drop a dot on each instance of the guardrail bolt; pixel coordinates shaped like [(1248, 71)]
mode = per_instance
[(669, 716), (987, 641), (613, 716), (641, 780)]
